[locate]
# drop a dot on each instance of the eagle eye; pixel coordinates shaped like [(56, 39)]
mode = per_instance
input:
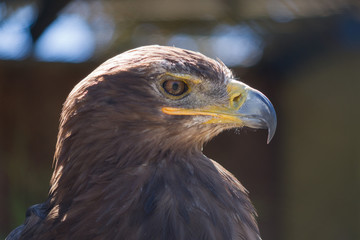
[(175, 87)]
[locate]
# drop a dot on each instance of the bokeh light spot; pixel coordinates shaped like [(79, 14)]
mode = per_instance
[(68, 39)]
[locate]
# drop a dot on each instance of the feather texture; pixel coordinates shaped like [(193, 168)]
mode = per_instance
[(125, 170)]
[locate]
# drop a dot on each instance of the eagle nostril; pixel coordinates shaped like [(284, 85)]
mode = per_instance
[(237, 98)]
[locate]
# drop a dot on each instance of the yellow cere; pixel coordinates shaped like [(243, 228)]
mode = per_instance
[(237, 94)]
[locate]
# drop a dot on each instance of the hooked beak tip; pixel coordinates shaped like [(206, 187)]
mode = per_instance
[(258, 112)]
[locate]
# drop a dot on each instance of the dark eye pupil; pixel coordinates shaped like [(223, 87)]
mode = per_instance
[(174, 87)]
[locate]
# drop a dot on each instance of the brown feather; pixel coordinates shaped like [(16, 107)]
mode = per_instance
[(125, 170)]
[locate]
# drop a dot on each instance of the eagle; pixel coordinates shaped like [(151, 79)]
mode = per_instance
[(128, 162)]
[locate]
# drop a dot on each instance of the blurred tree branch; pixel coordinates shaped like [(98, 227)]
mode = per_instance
[(48, 12)]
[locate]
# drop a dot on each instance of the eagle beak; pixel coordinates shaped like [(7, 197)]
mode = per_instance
[(255, 110), (247, 107)]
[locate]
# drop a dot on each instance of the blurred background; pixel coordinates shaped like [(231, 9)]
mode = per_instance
[(303, 54)]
